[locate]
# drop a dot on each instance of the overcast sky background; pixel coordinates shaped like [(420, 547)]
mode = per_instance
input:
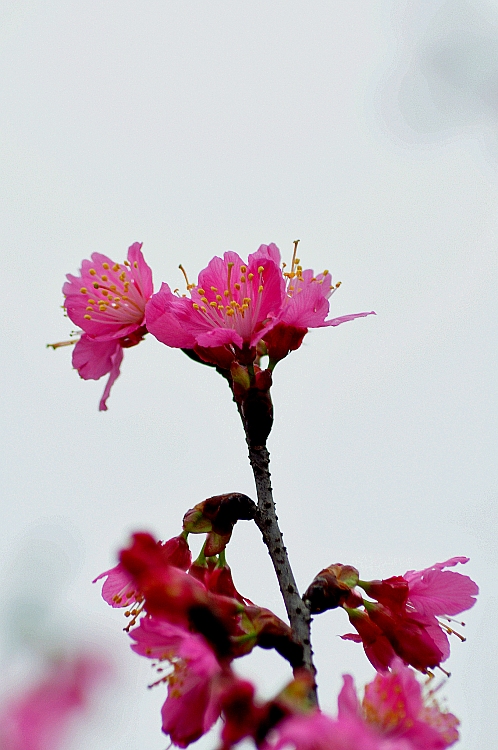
[(367, 130)]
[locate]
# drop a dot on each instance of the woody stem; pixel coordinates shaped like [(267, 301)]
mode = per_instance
[(267, 522)]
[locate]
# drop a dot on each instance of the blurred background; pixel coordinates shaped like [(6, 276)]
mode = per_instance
[(367, 130)]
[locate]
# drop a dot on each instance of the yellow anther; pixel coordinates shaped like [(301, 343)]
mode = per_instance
[(213, 304), (135, 264), (233, 303), (290, 275), (204, 299), (237, 286), (122, 276), (291, 288), (126, 263), (84, 290), (116, 299), (296, 261), (260, 288), (325, 273), (227, 292), (126, 285), (299, 268), (243, 269), (250, 276), (195, 306), (219, 297), (260, 269), (89, 309), (203, 309), (92, 271), (230, 311), (106, 266), (105, 292), (242, 279), (338, 284), (214, 289), (113, 287), (95, 284), (87, 317), (220, 307), (115, 267), (104, 278), (201, 291), (91, 301), (246, 300), (244, 307), (124, 297)]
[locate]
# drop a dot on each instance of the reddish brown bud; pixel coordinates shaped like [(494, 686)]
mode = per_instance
[(331, 588)]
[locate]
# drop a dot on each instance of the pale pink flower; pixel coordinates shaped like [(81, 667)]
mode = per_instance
[(395, 708), (193, 702), (38, 718), (107, 301), (305, 304), (234, 303)]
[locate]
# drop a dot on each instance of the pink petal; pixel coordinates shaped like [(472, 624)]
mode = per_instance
[(168, 318), (93, 359), (434, 591), (345, 318), (117, 358), (347, 702)]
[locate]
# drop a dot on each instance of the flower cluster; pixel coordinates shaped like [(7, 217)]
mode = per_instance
[(403, 618), (192, 618), (237, 312)]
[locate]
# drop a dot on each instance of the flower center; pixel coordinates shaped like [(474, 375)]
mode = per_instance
[(114, 295)]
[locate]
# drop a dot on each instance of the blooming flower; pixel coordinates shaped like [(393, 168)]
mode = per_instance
[(38, 718), (192, 705), (233, 304), (317, 731), (395, 707), (305, 305), (107, 301)]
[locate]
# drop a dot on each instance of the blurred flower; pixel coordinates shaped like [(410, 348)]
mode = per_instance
[(39, 717), (107, 301), (394, 706)]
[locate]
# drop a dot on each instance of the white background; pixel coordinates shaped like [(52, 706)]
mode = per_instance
[(367, 130)]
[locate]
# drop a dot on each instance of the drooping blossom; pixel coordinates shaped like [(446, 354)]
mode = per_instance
[(232, 306), (395, 707), (305, 305), (107, 301), (406, 614), (40, 716), (192, 705), (119, 589), (409, 606)]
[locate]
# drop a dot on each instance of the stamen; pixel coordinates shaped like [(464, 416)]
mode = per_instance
[(106, 266), (92, 271), (189, 285), (62, 343)]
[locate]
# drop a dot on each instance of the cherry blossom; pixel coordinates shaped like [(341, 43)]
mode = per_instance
[(305, 305), (192, 705), (107, 301), (233, 304)]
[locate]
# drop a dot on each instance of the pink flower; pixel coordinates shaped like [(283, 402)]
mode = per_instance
[(193, 704), (38, 719), (233, 304), (415, 601), (317, 731), (305, 305), (107, 301), (395, 708)]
